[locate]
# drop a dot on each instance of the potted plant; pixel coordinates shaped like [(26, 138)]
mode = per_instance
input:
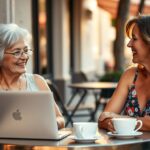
[(113, 76)]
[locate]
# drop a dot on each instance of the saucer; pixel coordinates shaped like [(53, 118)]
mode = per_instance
[(130, 135), (89, 140)]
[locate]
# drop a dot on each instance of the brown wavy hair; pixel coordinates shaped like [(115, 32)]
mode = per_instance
[(143, 23)]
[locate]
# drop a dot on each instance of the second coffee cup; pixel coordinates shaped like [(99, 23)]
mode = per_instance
[(126, 125)]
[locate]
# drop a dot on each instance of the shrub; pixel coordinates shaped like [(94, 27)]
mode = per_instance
[(111, 76)]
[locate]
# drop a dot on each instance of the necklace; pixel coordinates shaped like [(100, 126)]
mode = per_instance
[(9, 88)]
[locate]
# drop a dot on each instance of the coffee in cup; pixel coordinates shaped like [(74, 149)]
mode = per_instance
[(126, 125), (85, 130)]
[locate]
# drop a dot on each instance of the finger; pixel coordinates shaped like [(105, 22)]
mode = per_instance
[(101, 117), (110, 126), (111, 130), (104, 115)]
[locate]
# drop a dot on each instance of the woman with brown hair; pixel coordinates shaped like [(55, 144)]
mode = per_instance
[(132, 95)]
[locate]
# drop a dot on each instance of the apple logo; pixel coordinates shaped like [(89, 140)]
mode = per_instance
[(17, 115)]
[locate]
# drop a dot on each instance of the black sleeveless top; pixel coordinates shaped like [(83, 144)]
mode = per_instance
[(132, 108)]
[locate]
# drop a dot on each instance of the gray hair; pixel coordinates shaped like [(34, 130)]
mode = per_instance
[(10, 34), (143, 23)]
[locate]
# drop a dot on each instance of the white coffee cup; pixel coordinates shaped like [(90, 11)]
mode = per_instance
[(126, 125), (85, 130)]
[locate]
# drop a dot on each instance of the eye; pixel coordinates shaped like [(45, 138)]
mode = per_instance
[(134, 38), (26, 50), (17, 53)]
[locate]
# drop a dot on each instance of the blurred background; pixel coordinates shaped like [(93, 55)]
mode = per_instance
[(75, 36)]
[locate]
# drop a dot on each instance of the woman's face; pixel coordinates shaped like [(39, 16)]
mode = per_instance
[(11, 62), (140, 50)]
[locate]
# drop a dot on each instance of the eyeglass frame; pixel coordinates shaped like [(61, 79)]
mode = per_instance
[(22, 51)]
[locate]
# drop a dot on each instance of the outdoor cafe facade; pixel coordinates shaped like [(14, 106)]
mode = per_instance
[(76, 33), (65, 33), (69, 36)]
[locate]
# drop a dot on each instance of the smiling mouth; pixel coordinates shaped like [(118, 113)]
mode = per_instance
[(22, 64), (134, 52)]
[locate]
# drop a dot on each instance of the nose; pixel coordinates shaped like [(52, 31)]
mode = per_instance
[(130, 43)]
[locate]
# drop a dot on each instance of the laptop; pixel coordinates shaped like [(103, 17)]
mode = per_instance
[(29, 115)]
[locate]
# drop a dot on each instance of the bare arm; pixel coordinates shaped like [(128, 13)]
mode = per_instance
[(117, 101), (44, 87)]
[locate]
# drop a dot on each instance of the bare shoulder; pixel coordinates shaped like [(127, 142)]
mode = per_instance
[(41, 82), (128, 76), (130, 72)]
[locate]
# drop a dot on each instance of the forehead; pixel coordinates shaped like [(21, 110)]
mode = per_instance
[(19, 44), (136, 30)]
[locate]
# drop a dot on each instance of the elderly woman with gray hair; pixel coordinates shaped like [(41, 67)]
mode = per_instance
[(132, 95), (14, 54)]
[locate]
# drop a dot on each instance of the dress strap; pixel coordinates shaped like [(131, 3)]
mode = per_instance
[(31, 84), (135, 77)]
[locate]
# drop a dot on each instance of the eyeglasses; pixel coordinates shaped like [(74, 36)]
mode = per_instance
[(19, 52)]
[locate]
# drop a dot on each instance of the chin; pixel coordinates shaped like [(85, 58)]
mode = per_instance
[(21, 71), (134, 60)]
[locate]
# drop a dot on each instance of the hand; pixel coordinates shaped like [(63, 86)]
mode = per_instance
[(106, 124), (109, 125), (108, 115), (60, 122), (105, 121)]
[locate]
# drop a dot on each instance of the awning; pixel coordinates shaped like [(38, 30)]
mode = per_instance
[(112, 6)]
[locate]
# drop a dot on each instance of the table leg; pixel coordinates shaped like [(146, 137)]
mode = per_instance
[(97, 97), (72, 97), (76, 107)]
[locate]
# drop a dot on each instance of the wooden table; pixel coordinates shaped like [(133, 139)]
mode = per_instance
[(93, 85), (85, 86), (104, 143)]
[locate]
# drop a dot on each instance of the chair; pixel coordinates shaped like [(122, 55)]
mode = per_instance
[(59, 101), (105, 95), (79, 77), (67, 112)]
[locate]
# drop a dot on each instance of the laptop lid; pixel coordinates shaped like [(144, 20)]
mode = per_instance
[(28, 115)]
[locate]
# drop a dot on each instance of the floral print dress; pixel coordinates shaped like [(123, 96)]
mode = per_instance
[(132, 108)]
